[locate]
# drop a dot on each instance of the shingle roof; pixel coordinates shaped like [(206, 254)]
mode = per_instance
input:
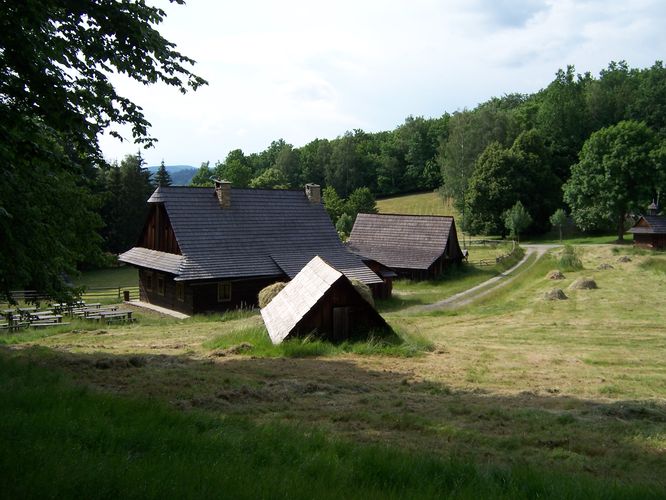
[(240, 241), (650, 224), (403, 241), (162, 261), (298, 297)]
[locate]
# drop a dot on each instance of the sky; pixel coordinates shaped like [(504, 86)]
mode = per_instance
[(300, 70)]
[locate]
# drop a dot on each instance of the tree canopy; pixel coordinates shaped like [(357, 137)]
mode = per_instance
[(55, 99), (619, 171)]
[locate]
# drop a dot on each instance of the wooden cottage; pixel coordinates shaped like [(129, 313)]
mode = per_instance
[(320, 300), (414, 246), (650, 230), (207, 249)]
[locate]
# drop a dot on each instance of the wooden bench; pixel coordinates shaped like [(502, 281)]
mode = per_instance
[(46, 324), (113, 316)]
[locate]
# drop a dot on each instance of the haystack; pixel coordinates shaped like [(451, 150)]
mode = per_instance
[(604, 267), (363, 290), (624, 258), (555, 294), (583, 284), (556, 274), (268, 293)]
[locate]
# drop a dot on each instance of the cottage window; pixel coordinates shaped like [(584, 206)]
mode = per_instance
[(224, 291), (160, 284), (180, 291), (148, 281)]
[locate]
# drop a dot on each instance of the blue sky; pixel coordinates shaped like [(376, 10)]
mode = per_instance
[(298, 70)]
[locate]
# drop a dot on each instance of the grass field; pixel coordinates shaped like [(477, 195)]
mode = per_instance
[(513, 397), (123, 276), (418, 204)]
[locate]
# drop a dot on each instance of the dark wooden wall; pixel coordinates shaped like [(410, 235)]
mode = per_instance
[(656, 241), (158, 233)]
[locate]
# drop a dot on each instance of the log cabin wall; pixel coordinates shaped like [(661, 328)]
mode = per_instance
[(158, 233)]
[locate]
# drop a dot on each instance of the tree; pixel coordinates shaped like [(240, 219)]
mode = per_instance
[(270, 178), (559, 219), (617, 173), (55, 101), (517, 219), (235, 169), (203, 177), (332, 203), (359, 201), (344, 225), (162, 177)]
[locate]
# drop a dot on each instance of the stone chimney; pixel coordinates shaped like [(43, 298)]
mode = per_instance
[(223, 193), (313, 192)]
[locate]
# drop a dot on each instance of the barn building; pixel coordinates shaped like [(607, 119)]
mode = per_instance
[(209, 249), (650, 230), (414, 246), (321, 300)]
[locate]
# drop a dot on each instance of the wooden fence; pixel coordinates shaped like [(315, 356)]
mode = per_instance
[(496, 260), (90, 294)]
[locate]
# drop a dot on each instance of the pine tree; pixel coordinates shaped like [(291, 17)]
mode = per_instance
[(162, 177)]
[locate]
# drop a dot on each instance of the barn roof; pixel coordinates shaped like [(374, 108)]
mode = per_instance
[(403, 241), (650, 224), (298, 297), (262, 233)]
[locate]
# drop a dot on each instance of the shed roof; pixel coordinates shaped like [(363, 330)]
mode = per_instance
[(263, 233), (402, 241), (298, 297), (154, 259), (650, 224)]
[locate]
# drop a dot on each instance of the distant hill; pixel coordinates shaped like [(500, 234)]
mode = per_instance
[(180, 174)]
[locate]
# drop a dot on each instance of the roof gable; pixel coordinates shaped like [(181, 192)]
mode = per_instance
[(650, 224), (403, 241), (298, 297)]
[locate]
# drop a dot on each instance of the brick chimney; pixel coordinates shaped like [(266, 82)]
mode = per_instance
[(223, 193), (313, 192)]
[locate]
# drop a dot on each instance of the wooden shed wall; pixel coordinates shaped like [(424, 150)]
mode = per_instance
[(656, 241), (360, 317)]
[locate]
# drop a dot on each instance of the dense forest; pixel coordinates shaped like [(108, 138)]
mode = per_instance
[(512, 148)]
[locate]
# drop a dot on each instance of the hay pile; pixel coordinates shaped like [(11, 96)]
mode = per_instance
[(583, 284), (555, 294), (269, 293), (364, 290), (624, 258), (555, 275), (604, 267)]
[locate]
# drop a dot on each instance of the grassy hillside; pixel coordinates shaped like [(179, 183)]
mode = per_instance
[(517, 397), (417, 204)]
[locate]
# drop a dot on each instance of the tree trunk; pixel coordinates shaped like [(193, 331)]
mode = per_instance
[(620, 227)]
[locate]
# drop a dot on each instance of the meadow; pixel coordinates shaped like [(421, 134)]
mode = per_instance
[(512, 396)]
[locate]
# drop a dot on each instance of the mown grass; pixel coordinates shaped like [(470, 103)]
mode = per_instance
[(654, 264), (254, 341), (430, 203), (62, 440)]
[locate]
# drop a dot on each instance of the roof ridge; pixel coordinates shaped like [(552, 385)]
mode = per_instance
[(410, 215)]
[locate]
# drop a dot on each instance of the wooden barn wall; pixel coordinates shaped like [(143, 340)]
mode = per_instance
[(656, 241), (169, 299), (362, 316), (158, 233), (243, 294)]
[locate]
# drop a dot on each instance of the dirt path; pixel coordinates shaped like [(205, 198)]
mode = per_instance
[(482, 289)]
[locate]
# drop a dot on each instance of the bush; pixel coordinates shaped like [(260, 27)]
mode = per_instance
[(569, 260)]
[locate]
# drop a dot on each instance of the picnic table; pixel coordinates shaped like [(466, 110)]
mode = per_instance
[(87, 312), (111, 316)]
